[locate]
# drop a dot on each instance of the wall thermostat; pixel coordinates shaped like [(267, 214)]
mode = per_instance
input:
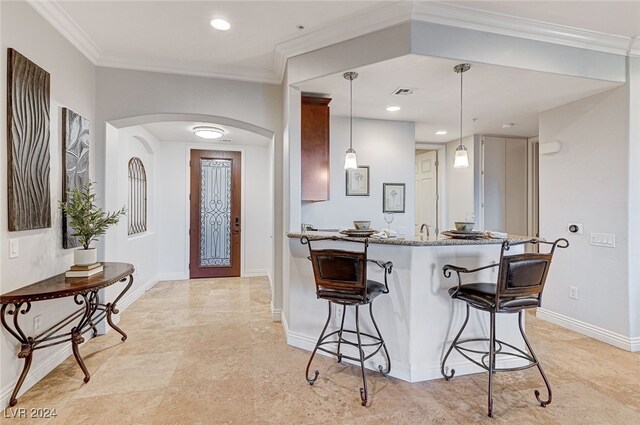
[(575, 228)]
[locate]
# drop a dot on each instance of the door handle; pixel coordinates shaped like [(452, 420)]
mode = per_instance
[(237, 225)]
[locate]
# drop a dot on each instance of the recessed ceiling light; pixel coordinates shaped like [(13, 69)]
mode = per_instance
[(508, 125), (441, 132), (393, 108), (206, 132), (220, 24)]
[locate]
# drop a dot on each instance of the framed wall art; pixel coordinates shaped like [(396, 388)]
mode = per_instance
[(27, 144), (393, 197), (75, 163), (358, 181)]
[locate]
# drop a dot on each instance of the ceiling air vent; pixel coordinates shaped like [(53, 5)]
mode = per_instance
[(402, 91)]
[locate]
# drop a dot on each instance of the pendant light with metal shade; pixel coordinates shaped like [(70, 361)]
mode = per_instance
[(350, 162), (462, 157)]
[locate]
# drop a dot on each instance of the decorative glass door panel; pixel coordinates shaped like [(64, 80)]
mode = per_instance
[(215, 214)]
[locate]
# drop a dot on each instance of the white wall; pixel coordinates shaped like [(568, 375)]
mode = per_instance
[(141, 250), (634, 197), (388, 148), (173, 201), (41, 253), (586, 182)]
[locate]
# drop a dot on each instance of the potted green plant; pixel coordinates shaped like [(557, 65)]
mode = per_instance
[(88, 221)]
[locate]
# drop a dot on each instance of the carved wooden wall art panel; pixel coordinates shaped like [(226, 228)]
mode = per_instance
[(27, 144), (75, 163)]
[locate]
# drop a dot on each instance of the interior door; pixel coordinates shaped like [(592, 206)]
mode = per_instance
[(505, 184), (215, 214), (426, 187), (493, 157)]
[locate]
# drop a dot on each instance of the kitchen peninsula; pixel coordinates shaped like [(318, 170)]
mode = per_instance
[(417, 318)]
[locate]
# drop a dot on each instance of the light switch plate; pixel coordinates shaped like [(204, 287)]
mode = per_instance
[(573, 292), (37, 322), (14, 248), (603, 239)]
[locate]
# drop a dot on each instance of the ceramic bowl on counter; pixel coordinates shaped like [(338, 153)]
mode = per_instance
[(464, 226), (362, 225)]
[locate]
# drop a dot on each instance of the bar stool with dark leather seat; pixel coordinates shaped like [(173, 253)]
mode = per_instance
[(521, 279), (341, 278)]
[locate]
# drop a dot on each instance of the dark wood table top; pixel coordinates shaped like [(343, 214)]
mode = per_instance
[(61, 286)]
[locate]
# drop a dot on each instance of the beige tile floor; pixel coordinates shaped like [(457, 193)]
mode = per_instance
[(206, 352)]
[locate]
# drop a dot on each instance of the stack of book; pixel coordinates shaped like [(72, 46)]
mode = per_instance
[(85, 271)]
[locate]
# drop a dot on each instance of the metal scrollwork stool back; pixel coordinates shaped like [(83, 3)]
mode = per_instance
[(341, 278), (521, 279)]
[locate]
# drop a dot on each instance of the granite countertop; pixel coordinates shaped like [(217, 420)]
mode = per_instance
[(409, 241)]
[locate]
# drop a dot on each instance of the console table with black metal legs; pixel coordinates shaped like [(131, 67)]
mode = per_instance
[(85, 294)]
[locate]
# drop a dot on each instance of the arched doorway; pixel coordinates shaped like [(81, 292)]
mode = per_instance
[(171, 230)]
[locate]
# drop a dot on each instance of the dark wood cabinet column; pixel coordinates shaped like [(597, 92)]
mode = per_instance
[(315, 161)]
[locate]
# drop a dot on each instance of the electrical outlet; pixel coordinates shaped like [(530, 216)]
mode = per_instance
[(13, 248), (603, 239), (573, 292), (37, 322)]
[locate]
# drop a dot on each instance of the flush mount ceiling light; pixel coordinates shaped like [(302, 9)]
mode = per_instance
[(393, 108), (508, 125), (462, 157), (441, 132), (206, 132), (350, 162), (220, 24)]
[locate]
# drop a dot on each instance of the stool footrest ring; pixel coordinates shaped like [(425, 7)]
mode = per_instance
[(324, 341), (460, 348)]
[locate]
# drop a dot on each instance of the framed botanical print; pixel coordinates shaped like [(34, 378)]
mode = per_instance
[(358, 181), (393, 197)]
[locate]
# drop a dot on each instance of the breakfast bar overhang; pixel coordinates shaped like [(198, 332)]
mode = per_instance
[(418, 318)]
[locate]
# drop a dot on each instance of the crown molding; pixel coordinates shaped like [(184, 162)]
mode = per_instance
[(455, 16), (385, 16), (197, 69), (634, 46), (53, 13), (497, 23), (341, 30)]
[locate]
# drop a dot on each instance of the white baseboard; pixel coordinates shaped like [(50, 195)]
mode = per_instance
[(185, 276), (42, 366), (601, 334), (285, 327), (276, 314), (131, 297), (270, 284), (415, 372), (255, 273), (173, 276)]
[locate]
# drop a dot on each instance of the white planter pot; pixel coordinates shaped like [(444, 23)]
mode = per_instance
[(85, 257)]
